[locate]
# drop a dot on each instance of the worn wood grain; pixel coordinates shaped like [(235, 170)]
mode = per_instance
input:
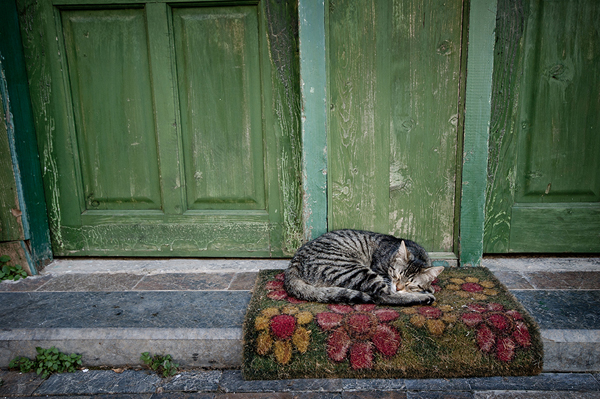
[(395, 78), (113, 108), (426, 78), (11, 228), (534, 228), (27, 165), (358, 150), (499, 194), (219, 97)]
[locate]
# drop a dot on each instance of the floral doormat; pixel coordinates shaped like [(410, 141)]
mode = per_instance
[(475, 328)]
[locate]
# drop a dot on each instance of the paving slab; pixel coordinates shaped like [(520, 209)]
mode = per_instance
[(541, 263), (193, 381), (562, 309), (232, 381), (440, 395), (438, 384), (375, 395), (100, 382), (183, 395), (17, 384), (91, 282), (165, 309), (349, 384), (159, 266), (536, 395), (542, 382)]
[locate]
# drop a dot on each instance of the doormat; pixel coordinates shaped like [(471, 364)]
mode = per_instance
[(476, 328)]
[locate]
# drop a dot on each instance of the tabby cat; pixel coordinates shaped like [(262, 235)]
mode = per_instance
[(352, 266)]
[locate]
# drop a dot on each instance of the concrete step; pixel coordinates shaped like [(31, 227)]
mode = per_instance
[(111, 311)]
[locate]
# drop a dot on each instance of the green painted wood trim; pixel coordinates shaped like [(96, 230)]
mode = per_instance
[(313, 86), (11, 228), (482, 23), (28, 170)]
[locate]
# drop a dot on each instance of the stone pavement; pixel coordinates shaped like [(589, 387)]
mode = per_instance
[(111, 311), (134, 384)]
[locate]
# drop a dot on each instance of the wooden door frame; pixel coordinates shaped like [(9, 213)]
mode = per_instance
[(313, 85), (35, 245)]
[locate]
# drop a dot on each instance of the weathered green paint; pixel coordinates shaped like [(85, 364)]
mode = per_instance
[(313, 81), (544, 179), (223, 152), (284, 98), (395, 79), (482, 21), (25, 159), (114, 125), (11, 228), (195, 130)]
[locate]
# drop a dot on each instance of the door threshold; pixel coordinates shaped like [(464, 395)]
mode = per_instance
[(148, 266), (534, 263)]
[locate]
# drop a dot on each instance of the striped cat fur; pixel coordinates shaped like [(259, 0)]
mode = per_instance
[(353, 266)]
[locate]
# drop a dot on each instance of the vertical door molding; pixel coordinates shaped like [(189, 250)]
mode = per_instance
[(21, 132), (480, 61), (313, 86)]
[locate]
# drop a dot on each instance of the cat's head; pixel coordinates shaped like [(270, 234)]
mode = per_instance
[(411, 270)]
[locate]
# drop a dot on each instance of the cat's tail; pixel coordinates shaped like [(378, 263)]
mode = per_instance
[(298, 288)]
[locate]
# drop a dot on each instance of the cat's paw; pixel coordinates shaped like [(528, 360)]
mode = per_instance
[(426, 298)]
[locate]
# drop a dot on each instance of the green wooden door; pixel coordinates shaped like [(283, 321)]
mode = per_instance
[(395, 83), (544, 165), (166, 129)]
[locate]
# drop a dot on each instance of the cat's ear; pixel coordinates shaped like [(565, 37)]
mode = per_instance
[(433, 272), (402, 255)]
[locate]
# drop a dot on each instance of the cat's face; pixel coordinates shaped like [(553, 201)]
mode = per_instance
[(412, 274), (419, 282)]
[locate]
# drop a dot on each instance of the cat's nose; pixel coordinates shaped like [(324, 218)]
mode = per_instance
[(399, 286)]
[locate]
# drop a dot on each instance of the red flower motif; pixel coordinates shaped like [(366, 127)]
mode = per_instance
[(277, 292), (357, 331), (471, 287), (283, 326), (430, 312), (497, 329)]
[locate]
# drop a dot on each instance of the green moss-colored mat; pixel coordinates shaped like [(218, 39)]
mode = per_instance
[(475, 328)]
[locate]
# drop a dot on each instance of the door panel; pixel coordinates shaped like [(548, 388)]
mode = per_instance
[(551, 152), (161, 126), (109, 73), (560, 114), (395, 69), (220, 98)]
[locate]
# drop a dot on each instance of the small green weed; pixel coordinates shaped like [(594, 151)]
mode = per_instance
[(8, 272), (47, 361), (161, 364)]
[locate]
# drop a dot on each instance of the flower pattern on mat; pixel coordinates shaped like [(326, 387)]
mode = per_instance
[(472, 287), (499, 331), (281, 329), (356, 332), (434, 318), (277, 292)]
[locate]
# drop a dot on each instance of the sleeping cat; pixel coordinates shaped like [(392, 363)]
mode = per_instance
[(352, 266)]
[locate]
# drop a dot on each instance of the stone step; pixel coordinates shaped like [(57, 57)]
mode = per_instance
[(113, 314)]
